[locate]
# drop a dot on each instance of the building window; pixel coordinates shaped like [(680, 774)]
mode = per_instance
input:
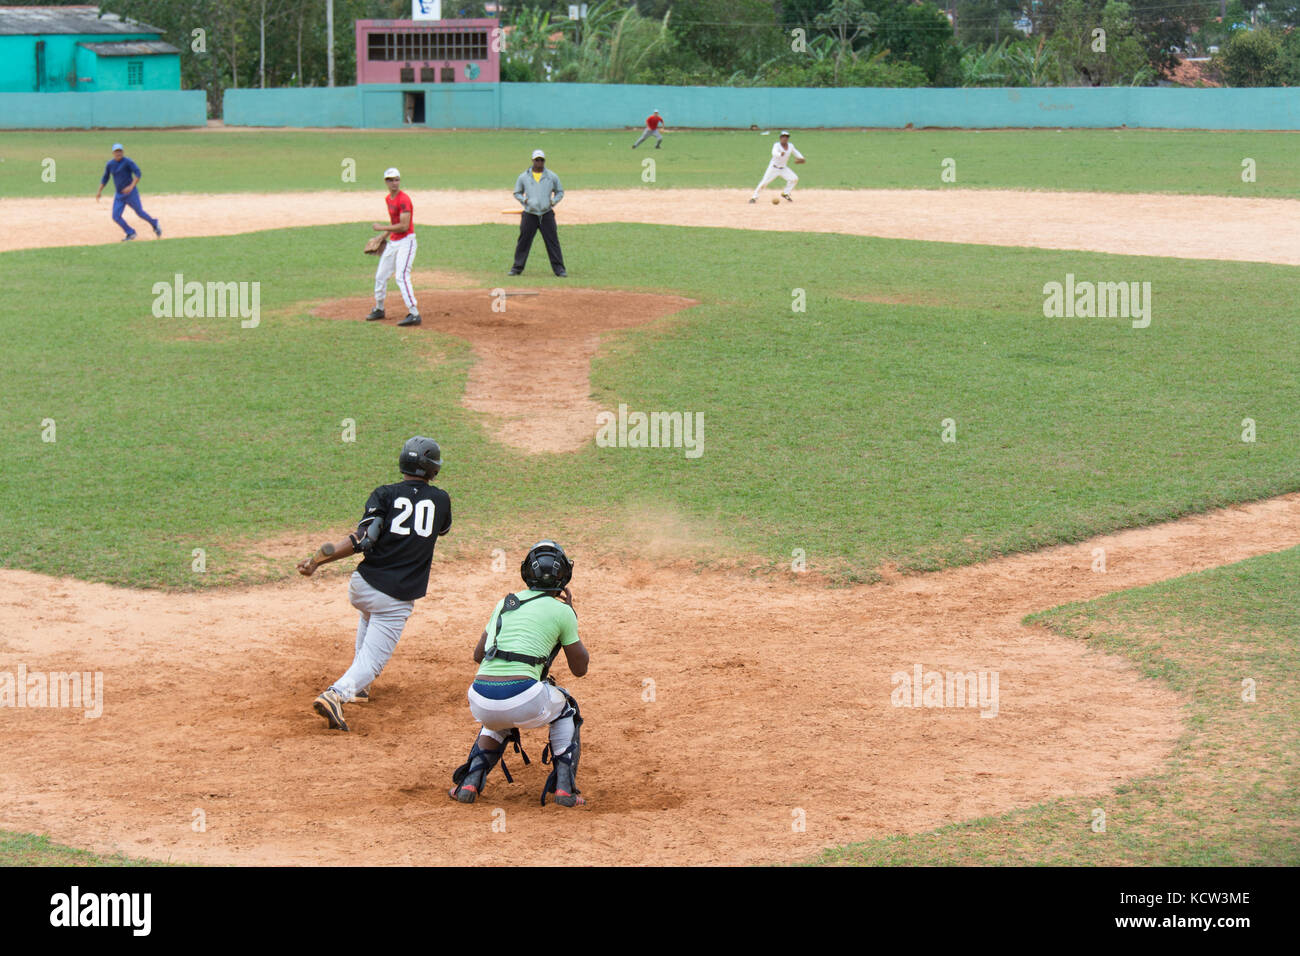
[(135, 73), (422, 46)]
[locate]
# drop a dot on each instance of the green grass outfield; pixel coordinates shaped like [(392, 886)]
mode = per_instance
[(822, 429), (26, 849), (197, 161), (1226, 797)]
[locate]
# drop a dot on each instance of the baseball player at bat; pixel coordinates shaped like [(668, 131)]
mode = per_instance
[(513, 690), (397, 533), (782, 152)]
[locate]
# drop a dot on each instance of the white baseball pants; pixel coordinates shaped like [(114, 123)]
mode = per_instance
[(537, 706), (659, 137), (380, 626), (785, 172), (395, 262)]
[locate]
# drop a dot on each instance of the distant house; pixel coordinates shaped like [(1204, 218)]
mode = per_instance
[(66, 49)]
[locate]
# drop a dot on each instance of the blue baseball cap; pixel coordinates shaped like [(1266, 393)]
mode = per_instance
[(116, 147)]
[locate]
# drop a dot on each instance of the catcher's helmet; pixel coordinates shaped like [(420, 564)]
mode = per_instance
[(546, 567), (420, 457)]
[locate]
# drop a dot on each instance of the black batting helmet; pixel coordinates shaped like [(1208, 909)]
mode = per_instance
[(546, 567), (420, 457)]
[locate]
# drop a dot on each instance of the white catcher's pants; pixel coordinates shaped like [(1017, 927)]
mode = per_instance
[(535, 707), (785, 172), (395, 262), (380, 626)]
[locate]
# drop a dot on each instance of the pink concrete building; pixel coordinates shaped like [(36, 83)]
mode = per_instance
[(428, 51)]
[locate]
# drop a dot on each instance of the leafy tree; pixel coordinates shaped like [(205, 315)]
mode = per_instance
[(1254, 58), (984, 22), (920, 34), (727, 35), (846, 21), (1087, 58)]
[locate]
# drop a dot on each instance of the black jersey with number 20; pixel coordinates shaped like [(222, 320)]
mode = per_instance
[(412, 515)]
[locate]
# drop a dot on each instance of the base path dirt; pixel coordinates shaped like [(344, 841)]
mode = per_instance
[(1193, 227), (533, 351), (721, 709)]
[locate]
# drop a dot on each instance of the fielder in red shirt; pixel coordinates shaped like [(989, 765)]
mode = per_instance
[(395, 261), (652, 124)]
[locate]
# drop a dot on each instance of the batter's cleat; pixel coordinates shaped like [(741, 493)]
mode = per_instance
[(157, 231), (375, 315), (787, 197), (515, 272), (753, 200), (570, 799), (412, 318), (330, 706), (128, 238), (360, 697)]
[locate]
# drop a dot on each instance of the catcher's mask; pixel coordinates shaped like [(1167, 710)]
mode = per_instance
[(420, 457), (546, 567)]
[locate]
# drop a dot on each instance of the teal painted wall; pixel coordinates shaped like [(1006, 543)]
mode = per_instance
[(599, 106), (373, 106), (66, 63), (113, 109)]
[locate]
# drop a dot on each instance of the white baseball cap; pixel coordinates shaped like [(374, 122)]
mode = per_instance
[(785, 132), (116, 147), (538, 154), (392, 173)]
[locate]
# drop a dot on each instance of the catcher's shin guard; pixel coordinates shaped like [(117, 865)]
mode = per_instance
[(471, 776), (563, 780)]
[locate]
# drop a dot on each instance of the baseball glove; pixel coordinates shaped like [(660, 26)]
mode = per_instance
[(375, 245)]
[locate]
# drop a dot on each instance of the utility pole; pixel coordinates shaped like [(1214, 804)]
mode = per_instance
[(329, 38)]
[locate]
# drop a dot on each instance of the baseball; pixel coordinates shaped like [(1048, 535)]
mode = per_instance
[(776, 200)]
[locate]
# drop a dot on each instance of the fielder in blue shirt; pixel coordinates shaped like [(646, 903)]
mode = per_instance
[(126, 175)]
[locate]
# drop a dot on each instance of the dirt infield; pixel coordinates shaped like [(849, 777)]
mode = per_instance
[(207, 708), (1193, 227), (532, 351)]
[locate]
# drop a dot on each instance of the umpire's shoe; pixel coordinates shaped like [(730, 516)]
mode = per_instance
[(515, 272), (412, 318), (330, 706), (375, 315)]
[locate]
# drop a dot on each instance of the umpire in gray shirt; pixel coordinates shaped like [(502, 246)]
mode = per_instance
[(538, 190)]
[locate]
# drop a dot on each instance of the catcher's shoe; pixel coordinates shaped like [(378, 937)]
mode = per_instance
[(360, 697), (411, 319), (375, 315), (330, 706), (787, 197), (470, 776)]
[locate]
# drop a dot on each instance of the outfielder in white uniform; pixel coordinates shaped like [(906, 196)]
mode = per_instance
[(782, 153), (395, 261)]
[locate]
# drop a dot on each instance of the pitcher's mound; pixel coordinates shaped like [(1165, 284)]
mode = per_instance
[(533, 350)]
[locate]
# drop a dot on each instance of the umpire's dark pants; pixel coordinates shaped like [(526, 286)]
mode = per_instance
[(528, 226)]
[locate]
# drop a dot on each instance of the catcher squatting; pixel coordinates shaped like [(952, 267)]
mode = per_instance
[(512, 690)]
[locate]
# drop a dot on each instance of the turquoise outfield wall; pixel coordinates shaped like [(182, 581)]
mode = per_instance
[(600, 106), (122, 109)]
